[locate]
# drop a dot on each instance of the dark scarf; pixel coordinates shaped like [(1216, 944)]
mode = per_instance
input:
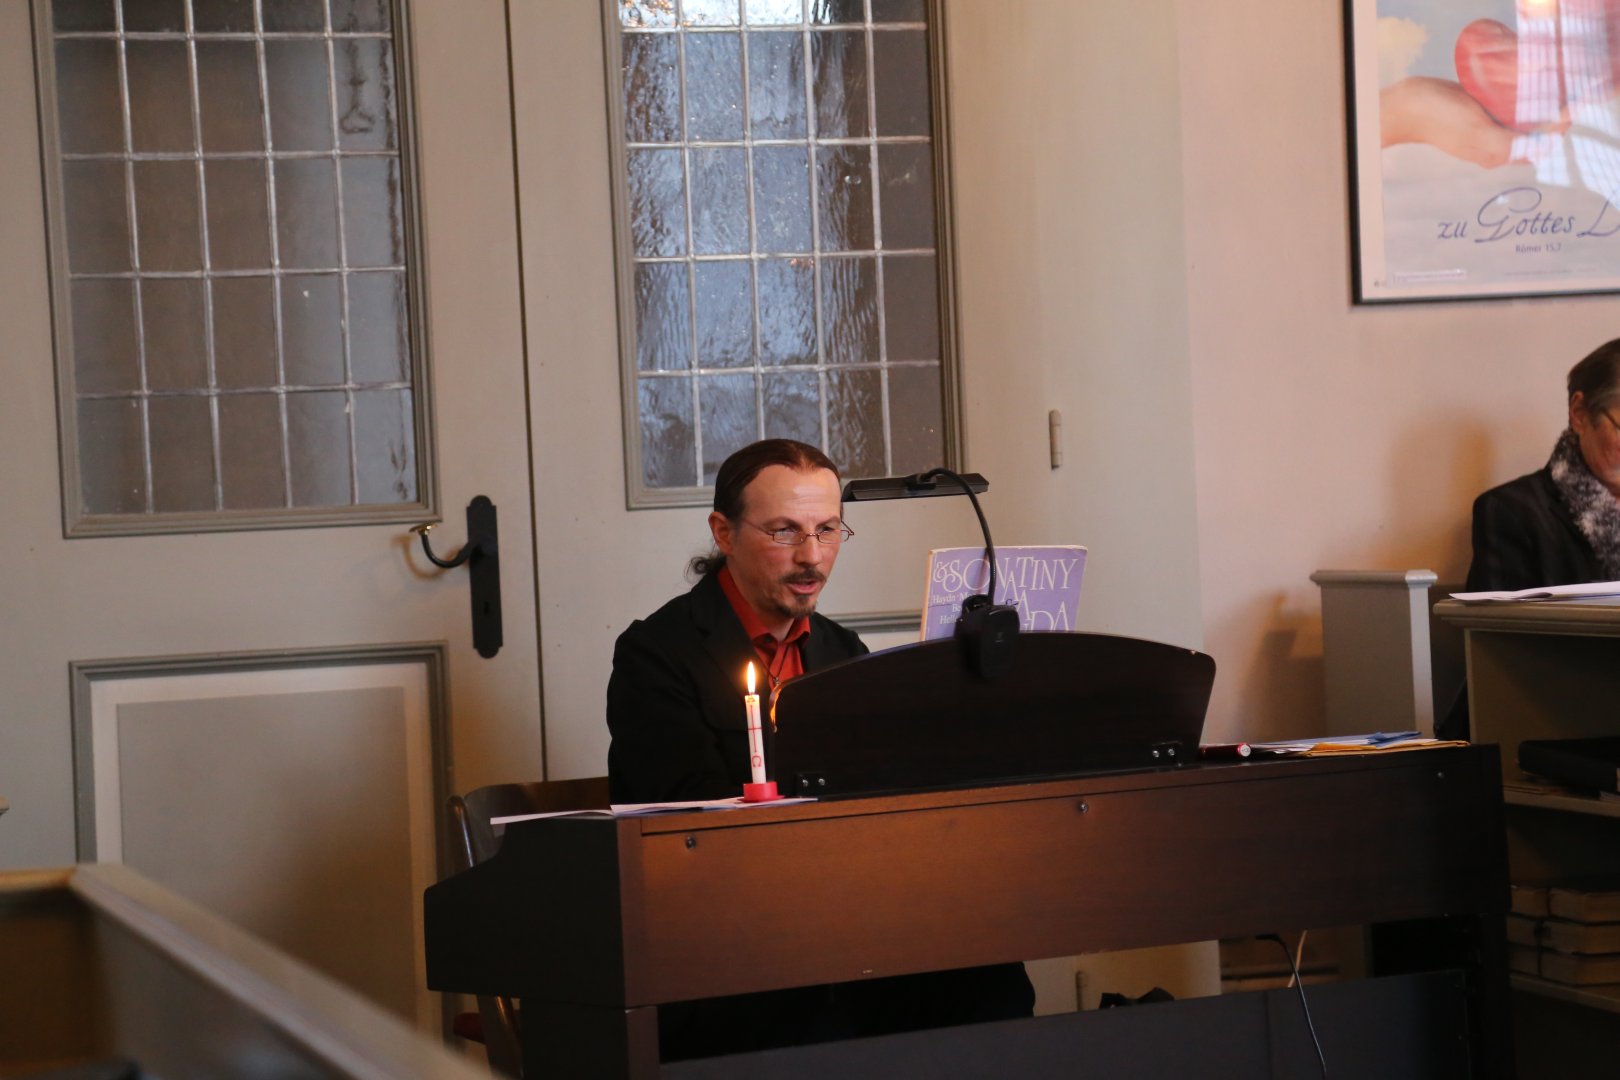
[(1595, 509)]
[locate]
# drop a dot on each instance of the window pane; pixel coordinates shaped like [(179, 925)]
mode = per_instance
[(365, 16), (379, 345), (730, 418), (238, 214), (646, 13), (663, 317), (373, 213), (713, 86), (657, 203), (222, 16), (91, 115), (112, 465), (245, 331), (719, 201), (182, 454), (838, 79), (754, 264), (318, 441), (667, 444), (652, 88), (384, 447), (251, 473), (81, 16), (793, 406), (893, 11), (176, 339), (295, 16), (855, 421), (911, 307), (710, 12), (155, 16), (312, 330), (907, 194), (168, 215), (307, 213), (228, 92), (849, 310), (159, 96), (844, 198), (837, 11), (917, 418), (900, 61), (97, 216), (260, 326), (782, 198), (787, 311), (725, 314), (364, 76), (300, 105), (769, 12), (776, 102), (104, 336)]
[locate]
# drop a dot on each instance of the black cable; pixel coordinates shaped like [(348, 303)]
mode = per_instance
[(1303, 1004), (989, 548)]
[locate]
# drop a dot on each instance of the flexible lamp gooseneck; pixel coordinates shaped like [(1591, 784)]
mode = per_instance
[(985, 631)]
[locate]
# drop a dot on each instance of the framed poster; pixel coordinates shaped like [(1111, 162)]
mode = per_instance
[(1485, 147)]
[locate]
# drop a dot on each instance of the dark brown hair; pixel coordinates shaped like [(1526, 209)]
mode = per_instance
[(739, 470), (1597, 377)]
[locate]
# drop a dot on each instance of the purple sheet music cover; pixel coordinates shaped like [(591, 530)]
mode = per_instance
[(1042, 582)]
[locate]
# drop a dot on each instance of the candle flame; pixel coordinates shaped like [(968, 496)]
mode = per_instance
[(750, 676)]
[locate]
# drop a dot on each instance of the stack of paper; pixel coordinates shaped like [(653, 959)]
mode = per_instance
[(1543, 592), (1380, 742)]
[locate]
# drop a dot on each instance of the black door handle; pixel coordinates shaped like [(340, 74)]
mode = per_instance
[(481, 554)]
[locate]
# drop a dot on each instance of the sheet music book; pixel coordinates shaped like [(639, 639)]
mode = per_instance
[(1042, 582)]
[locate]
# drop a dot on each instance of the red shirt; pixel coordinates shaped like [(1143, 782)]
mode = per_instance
[(780, 659)]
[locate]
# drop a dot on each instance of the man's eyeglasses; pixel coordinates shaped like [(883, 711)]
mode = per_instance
[(789, 536), (1607, 415)]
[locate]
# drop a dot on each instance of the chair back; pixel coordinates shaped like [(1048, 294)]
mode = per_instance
[(472, 841), (541, 797)]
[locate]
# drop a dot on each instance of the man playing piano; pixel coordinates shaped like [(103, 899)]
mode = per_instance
[(679, 732)]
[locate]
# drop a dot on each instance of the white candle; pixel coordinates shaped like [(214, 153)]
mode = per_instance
[(756, 736)]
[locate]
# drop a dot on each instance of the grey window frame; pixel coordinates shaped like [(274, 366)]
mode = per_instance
[(638, 496), (75, 522)]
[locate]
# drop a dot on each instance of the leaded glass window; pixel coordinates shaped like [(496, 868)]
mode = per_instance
[(782, 268), (233, 198)]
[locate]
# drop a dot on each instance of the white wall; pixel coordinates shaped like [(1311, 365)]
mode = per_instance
[(1069, 229), (1327, 435)]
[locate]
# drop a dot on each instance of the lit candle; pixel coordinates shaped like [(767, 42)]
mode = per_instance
[(756, 735)]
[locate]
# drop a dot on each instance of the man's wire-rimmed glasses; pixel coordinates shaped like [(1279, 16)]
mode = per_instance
[(792, 536)]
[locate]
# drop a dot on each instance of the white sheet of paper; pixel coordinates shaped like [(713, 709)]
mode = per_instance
[(1545, 592), (643, 809)]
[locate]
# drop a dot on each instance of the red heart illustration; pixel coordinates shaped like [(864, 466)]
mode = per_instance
[(1487, 57)]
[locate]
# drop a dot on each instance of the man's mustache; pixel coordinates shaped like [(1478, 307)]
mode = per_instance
[(807, 577)]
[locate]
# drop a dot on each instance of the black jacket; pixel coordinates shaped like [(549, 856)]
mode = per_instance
[(675, 701), (1525, 536)]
